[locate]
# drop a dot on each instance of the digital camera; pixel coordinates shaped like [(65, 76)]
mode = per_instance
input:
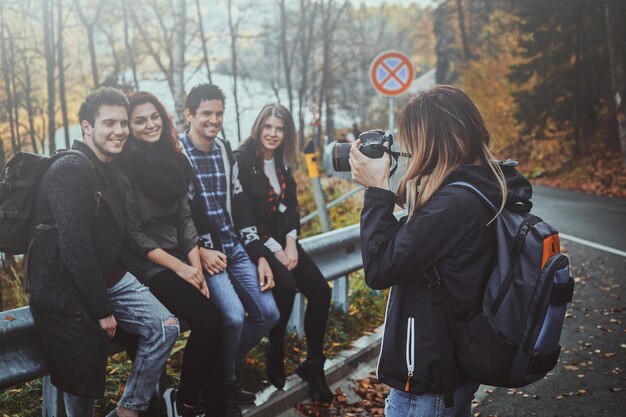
[(372, 145)]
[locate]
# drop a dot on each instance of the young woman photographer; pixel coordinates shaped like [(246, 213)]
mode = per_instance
[(448, 232)]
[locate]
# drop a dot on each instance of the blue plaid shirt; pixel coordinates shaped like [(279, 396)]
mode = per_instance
[(209, 168)]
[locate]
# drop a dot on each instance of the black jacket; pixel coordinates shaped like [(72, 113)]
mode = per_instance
[(256, 189), (450, 231), (239, 211), (67, 265)]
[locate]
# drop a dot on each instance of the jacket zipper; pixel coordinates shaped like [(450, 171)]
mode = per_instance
[(410, 350), (98, 196)]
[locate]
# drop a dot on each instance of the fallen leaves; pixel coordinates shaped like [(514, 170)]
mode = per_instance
[(371, 391)]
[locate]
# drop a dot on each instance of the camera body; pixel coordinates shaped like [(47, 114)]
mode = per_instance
[(372, 145)]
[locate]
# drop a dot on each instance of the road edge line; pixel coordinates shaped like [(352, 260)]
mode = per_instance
[(593, 245)]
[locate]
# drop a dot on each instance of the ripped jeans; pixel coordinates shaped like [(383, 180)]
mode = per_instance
[(139, 312)]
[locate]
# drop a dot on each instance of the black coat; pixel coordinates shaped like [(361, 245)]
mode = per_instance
[(67, 265), (450, 231), (256, 189)]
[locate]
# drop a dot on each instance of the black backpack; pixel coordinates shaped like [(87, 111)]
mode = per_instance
[(19, 183), (514, 340)]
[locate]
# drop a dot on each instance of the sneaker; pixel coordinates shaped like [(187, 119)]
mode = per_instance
[(275, 366), (241, 396), (175, 409), (314, 375)]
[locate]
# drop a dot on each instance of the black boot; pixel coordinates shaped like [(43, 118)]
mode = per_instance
[(240, 395), (275, 366), (313, 373), (231, 407)]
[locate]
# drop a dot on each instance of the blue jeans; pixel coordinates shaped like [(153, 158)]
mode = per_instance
[(236, 291), (138, 312), (404, 404)]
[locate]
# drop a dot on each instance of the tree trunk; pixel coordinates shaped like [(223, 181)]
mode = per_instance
[(92, 57), (129, 49), (3, 156), (461, 15), (28, 95), (90, 28), (16, 103), (284, 49), (61, 69), (308, 14), (180, 18), (203, 40), (48, 37), (233, 27), (6, 74), (615, 13)]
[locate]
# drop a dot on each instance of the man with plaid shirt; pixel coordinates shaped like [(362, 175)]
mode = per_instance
[(236, 284)]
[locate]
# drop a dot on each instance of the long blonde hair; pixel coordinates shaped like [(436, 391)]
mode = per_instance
[(443, 130)]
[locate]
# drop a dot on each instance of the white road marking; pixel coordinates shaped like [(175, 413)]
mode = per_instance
[(593, 245)]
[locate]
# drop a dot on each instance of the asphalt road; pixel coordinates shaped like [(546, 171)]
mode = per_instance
[(597, 219), (590, 378)]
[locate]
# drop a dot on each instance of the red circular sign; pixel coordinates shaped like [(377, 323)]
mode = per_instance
[(392, 73)]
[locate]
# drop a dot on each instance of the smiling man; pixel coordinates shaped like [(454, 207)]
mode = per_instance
[(78, 270), (236, 284)]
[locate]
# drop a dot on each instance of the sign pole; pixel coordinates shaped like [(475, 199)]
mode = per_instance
[(391, 121)]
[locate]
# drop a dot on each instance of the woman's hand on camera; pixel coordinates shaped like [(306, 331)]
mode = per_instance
[(367, 171)]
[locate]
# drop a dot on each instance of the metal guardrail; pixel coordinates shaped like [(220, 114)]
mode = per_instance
[(337, 253)]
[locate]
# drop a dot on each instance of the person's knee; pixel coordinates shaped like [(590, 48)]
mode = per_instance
[(271, 315), (171, 330), (233, 319)]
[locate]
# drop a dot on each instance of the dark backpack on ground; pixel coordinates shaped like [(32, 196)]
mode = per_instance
[(19, 183), (514, 340)]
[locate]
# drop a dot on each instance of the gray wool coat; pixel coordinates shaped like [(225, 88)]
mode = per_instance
[(67, 265)]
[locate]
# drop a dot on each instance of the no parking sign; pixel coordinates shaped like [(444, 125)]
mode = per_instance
[(392, 73)]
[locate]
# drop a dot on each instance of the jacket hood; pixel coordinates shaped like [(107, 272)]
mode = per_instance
[(519, 188)]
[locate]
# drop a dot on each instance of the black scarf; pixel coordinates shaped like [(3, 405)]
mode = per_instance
[(160, 176)]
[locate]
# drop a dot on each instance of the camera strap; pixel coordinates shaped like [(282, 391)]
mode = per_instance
[(395, 155)]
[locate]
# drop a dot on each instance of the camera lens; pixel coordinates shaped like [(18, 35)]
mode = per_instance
[(340, 155)]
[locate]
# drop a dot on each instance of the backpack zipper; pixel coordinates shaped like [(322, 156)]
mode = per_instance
[(559, 263), (410, 350)]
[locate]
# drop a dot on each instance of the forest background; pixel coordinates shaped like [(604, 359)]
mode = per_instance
[(548, 75)]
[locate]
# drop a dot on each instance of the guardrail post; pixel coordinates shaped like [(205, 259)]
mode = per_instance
[(341, 286), (52, 404), (296, 321)]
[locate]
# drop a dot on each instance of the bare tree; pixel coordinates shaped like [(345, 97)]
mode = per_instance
[(233, 27), (464, 41), (330, 14), (287, 57), (615, 13), (90, 26), (128, 45), (7, 38), (308, 16), (48, 39), (27, 87), (180, 18), (61, 69), (203, 41)]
